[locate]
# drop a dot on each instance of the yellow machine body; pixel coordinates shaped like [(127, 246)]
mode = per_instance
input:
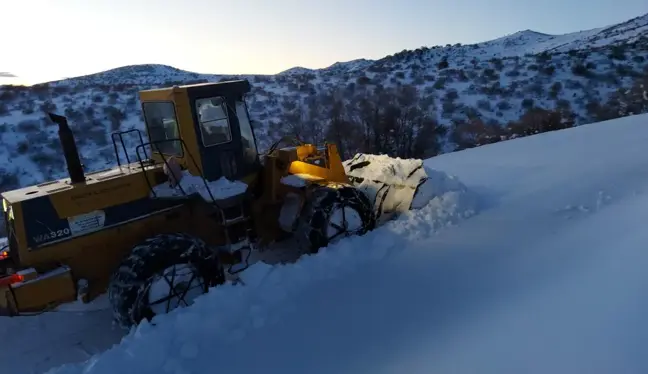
[(61, 232)]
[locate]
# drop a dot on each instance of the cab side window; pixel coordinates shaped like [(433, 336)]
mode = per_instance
[(162, 126), (247, 134), (214, 122)]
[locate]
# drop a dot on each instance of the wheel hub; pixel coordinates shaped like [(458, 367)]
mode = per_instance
[(343, 221), (178, 285)]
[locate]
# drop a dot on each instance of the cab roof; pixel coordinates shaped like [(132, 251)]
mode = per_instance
[(225, 88)]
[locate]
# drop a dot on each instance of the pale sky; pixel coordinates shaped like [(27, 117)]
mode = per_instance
[(53, 39)]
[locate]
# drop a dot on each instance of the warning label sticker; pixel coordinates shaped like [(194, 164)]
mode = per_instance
[(86, 223)]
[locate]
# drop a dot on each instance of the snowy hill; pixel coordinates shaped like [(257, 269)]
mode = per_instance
[(532, 42), (534, 264), (145, 75), (337, 68), (447, 96)]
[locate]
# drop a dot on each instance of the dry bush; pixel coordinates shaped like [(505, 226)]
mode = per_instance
[(538, 120), (474, 133)]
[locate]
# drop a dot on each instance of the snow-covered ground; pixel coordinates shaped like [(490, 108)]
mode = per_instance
[(537, 267), (74, 333)]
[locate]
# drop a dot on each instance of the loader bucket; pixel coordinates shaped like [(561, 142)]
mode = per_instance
[(394, 185)]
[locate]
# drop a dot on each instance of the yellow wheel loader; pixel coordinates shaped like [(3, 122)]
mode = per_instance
[(188, 210)]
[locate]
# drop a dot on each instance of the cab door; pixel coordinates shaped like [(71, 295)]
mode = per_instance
[(224, 152)]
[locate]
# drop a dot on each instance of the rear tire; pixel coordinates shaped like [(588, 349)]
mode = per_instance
[(134, 283), (333, 212)]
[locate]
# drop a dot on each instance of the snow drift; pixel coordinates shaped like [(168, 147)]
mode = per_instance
[(548, 277), (227, 314)]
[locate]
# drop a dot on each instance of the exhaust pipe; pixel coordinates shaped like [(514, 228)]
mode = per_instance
[(75, 169)]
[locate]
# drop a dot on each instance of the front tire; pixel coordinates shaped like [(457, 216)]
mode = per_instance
[(141, 278), (332, 212)]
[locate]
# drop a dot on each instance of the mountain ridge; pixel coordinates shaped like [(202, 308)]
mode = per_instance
[(629, 30)]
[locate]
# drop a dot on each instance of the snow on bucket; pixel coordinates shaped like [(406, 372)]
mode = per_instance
[(396, 185)]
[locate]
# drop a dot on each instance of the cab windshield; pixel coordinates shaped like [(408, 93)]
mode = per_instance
[(214, 122)]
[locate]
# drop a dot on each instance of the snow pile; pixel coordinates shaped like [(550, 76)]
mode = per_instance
[(436, 184), (441, 201), (184, 340), (220, 189)]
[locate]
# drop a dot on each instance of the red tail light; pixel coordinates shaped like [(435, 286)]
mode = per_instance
[(11, 279)]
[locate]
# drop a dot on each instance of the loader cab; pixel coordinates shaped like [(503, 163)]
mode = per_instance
[(213, 122)]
